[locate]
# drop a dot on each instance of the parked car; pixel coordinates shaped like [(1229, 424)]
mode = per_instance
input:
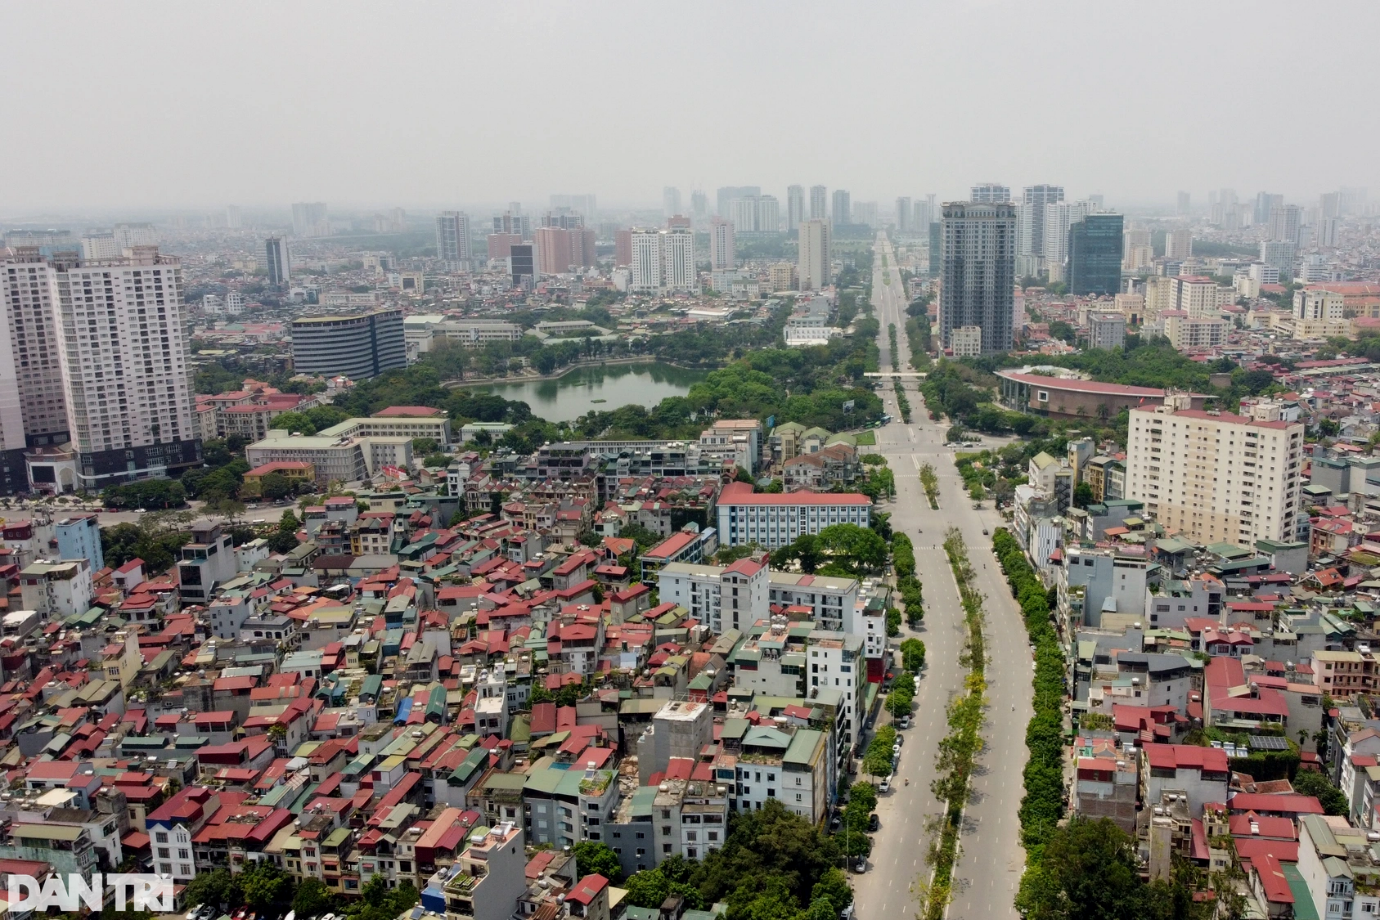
[(860, 865), (873, 822), (904, 723), (885, 786)]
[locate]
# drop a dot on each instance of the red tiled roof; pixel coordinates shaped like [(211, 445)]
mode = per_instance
[(1175, 756), (741, 493), (1294, 804)]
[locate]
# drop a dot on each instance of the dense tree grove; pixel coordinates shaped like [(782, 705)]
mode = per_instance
[(774, 865)]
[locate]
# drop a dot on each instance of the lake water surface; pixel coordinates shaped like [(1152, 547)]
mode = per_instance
[(566, 398)]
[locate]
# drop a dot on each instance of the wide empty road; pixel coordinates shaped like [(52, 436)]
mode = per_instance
[(991, 860)]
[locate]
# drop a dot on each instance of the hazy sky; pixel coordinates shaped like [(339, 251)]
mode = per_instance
[(420, 105)]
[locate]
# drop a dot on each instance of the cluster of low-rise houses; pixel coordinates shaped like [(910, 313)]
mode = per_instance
[(1216, 600), (454, 676)]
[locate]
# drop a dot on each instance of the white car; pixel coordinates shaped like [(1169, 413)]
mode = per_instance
[(885, 786)]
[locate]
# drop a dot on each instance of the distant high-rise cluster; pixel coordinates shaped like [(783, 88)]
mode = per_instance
[(582, 204), (309, 219), (755, 214), (670, 202), (1030, 248)]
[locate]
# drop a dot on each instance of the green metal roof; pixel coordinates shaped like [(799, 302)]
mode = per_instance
[(803, 746)]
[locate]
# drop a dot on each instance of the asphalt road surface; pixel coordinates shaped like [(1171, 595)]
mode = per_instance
[(991, 858)]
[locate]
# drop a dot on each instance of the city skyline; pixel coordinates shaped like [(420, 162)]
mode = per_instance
[(218, 144)]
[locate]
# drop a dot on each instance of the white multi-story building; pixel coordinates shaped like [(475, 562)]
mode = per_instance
[(837, 663), (1178, 244), (1263, 273), (789, 767), (1187, 332), (1030, 245), (990, 193), (768, 214), (234, 303), (721, 255), (1279, 253), (813, 263), (453, 237), (1285, 222), (1059, 216), (745, 516), (127, 236), (13, 476), (721, 597), (123, 353), (99, 246), (1198, 296), (833, 600), (1318, 304), (1136, 250), (966, 342), (29, 288), (1215, 476), (663, 260)]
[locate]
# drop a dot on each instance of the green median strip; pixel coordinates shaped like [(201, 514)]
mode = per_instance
[(1042, 807), (959, 750)]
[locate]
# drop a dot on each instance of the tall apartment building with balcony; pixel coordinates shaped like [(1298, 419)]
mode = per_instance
[(1215, 476), (100, 358)]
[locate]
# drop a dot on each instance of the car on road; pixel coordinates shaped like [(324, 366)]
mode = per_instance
[(903, 724), (873, 822), (860, 865), (885, 786), (846, 913)]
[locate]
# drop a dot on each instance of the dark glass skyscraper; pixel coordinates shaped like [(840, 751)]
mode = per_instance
[(1095, 254), (279, 263), (979, 272)]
